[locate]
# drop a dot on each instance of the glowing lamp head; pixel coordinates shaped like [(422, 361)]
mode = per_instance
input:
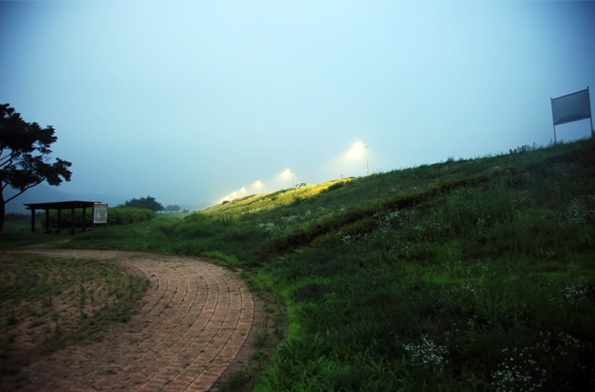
[(357, 150)]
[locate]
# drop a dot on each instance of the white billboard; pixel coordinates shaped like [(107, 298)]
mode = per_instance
[(571, 107)]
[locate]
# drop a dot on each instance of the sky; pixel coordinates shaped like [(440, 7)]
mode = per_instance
[(191, 101)]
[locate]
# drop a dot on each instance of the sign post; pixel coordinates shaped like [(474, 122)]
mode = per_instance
[(100, 214)]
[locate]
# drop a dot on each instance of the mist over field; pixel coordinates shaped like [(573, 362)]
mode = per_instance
[(194, 103)]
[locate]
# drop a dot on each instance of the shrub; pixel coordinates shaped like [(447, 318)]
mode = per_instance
[(15, 216), (115, 216), (127, 215)]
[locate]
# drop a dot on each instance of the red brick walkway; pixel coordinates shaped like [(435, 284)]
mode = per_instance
[(193, 321)]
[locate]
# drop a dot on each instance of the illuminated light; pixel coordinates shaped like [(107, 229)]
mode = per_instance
[(258, 186), (357, 150), (243, 192), (288, 173)]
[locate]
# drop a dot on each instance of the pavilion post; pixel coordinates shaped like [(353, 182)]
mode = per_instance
[(72, 231), (59, 218), (47, 220), (32, 219)]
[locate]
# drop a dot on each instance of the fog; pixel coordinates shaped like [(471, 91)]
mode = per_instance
[(190, 102)]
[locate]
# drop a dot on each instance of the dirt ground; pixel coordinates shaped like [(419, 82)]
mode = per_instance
[(197, 324)]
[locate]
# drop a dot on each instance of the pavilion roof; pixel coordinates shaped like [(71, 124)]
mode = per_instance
[(60, 205)]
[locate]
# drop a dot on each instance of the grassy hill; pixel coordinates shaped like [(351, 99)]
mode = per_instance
[(460, 276)]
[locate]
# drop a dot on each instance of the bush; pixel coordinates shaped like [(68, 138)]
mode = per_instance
[(15, 216), (126, 215), (115, 216)]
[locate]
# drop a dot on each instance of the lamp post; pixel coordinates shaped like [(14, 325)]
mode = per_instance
[(367, 161), (359, 145)]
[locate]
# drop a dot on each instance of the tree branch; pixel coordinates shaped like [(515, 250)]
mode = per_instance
[(23, 191), (8, 159)]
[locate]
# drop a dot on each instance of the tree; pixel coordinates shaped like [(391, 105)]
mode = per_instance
[(172, 208), (24, 156), (145, 202)]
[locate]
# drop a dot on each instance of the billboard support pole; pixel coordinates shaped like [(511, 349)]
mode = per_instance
[(589, 95), (553, 118)]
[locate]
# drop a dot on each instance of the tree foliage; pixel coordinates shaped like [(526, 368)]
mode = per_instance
[(24, 156), (145, 202), (172, 208)]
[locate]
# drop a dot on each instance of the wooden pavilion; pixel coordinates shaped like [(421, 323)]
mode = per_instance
[(60, 205)]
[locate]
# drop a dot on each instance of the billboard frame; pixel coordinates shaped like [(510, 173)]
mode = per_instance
[(578, 119)]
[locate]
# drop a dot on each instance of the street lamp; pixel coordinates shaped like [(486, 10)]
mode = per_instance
[(359, 145), (367, 161), (288, 172)]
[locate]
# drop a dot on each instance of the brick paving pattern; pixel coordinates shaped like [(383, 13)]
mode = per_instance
[(193, 321)]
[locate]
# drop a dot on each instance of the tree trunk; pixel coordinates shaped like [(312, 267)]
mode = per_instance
[(2, 211)]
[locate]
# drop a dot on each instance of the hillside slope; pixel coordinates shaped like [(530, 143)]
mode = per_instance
[(462, 275)]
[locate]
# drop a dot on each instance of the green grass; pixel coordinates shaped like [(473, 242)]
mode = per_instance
[(465, 275), (17, 232)]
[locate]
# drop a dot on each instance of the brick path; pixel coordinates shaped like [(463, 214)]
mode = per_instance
[(193, 321)]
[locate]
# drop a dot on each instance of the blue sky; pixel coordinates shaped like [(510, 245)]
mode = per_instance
[(190, 101)]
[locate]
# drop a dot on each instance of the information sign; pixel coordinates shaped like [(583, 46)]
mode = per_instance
[(100, 213)]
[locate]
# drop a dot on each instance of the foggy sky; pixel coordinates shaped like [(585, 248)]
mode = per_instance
[(191, 101)]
